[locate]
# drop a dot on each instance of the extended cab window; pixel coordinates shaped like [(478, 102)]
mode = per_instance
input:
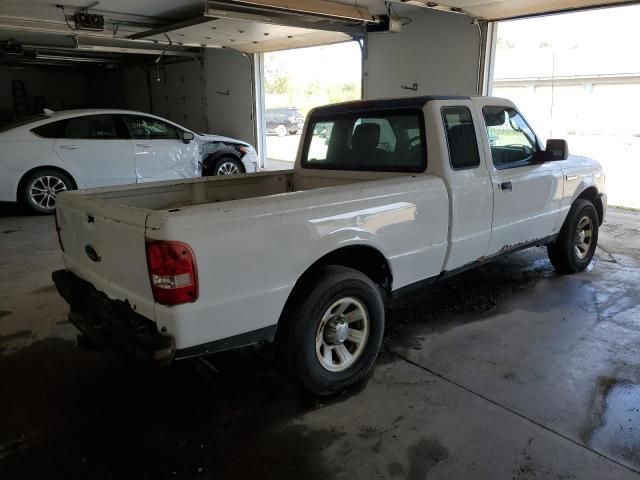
[(150, 129), (512, 142), (364, 141), (461, 138)]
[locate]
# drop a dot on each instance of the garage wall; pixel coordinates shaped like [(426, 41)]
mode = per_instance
[(229, 86), (136, 88), (69, 91), (178, 95), (437, 51), (220, 102), (106, 88)]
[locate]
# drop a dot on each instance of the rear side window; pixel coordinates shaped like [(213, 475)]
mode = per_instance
[(393, 141), (51, 130), (94, 127), (461, 138)]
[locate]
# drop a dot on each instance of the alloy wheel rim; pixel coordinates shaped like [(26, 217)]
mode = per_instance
[(342, 334), (228, 168), (583, 237), (44, 189)]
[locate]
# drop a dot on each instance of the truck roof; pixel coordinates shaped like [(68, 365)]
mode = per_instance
[(385, 103)]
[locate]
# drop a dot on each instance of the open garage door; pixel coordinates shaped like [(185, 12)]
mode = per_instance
[(264, 26), (492, 10)]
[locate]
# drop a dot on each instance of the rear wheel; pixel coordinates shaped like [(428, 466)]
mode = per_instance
[(334, 332), (40, 188), (576, 244)]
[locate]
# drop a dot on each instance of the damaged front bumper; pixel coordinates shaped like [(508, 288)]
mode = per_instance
[(107, 324)]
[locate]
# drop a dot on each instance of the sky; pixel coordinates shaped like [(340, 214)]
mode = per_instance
[(324, 64), (614, 30)]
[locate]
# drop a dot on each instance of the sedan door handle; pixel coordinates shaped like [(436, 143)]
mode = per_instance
[(143, 145), (69, 147)]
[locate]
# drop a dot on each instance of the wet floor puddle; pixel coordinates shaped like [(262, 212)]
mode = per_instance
[(619, 432)]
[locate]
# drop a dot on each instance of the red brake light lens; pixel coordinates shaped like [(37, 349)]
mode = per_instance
[(172, 270)]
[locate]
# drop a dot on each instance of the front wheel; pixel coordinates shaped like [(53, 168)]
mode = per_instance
[(576, 244), (39, 190), (228, 166), (334, 334)]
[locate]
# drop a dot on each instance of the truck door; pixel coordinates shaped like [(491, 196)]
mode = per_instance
[(527, 195), (468, 182)]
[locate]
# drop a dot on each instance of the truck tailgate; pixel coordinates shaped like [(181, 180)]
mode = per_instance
[(104, 244)]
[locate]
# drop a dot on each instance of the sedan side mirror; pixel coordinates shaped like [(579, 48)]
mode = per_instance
[(187, 137), (556, 150)]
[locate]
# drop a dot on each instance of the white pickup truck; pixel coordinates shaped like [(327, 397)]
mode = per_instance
[(385, 195)]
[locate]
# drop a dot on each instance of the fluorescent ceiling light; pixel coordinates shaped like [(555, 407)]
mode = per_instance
[(62, 58), (317, 8), (143, 51)]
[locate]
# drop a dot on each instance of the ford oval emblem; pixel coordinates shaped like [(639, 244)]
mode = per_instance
[(93, 253)]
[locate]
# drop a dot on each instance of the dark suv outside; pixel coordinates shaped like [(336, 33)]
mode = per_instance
[(284, 120)]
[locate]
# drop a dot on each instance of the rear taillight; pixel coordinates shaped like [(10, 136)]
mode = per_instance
[(58, 229), (172, 270)]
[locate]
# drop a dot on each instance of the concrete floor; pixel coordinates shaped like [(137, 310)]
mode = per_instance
[(505, 372)]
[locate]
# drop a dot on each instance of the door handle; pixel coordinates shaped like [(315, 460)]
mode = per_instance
[(506, 186), (69, 147), (143, 145)]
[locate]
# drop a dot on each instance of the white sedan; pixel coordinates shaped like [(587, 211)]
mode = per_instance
[(53, 152)]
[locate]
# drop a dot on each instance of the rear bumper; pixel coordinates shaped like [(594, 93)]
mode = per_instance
[(107, 324)]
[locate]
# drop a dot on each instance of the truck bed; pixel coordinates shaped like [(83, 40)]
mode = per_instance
[(185, 193)]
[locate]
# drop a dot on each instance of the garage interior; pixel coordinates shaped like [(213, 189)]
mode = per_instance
[(506, 371)]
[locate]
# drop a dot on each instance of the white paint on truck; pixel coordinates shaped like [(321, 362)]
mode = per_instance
[(253, 237)]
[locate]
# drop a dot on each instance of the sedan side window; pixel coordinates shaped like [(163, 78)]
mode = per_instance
[(147, 128), (95, 127), (513, 143)]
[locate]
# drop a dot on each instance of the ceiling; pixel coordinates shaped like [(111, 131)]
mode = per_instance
[(246, 25)]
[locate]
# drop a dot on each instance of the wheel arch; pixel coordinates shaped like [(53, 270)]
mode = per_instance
[(366, 259), (210, 160), (26, 175), (592, 195)]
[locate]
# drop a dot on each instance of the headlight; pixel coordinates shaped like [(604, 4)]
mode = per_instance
[(247, 150)]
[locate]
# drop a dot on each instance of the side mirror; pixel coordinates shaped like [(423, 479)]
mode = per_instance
[(556, 150), (187, 137)]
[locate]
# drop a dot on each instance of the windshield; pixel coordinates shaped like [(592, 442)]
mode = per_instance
[(378, 141), (21, 121)]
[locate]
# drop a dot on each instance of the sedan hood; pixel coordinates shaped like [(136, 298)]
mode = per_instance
[(219, 138)]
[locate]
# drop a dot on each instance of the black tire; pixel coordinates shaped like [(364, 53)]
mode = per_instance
[(49, 180), (228, 164), (330, 285), (566, 253)]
